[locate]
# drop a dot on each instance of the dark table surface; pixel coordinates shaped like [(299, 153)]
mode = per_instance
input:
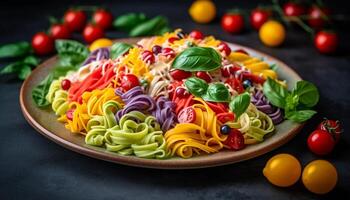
[(32, 167)]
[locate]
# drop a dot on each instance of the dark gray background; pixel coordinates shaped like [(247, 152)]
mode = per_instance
[(32, 167)]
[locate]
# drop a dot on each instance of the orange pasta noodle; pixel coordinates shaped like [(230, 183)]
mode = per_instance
[(92, 103), (201, 136)]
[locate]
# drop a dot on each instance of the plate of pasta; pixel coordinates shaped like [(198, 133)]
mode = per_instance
[(173, 101)]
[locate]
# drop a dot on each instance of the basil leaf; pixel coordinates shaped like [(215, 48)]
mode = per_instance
[(149, 27), (240, 104), (40, 91), (129, 21), (12, 68), (15, 50), (196, 86), (307, 92), (300, 115), (71, 52), (197, 59), (24, 72), (31, 60), (275, 93), (217, 92), (118, 49)]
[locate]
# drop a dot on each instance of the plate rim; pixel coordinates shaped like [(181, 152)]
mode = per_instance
[(152, 163)]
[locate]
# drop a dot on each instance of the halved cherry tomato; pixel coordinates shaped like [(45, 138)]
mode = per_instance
[(75, 20), (235, 84), (254, 78), (187, 115), (235, 140), (179, 75), (69, 114), (168, 52), (331, 126), (195, 34), (103, 18), (129, 81), (204, 75), (321, 142), (148, 57), (223, 47), (172, 40)]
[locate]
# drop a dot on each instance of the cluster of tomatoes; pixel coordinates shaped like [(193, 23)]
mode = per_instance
[(319, 176), (74, 20)]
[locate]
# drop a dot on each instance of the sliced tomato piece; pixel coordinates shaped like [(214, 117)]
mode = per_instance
[(69, 114), (235, 140), (187, 115)]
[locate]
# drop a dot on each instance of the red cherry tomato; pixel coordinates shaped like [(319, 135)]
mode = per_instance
[(186, 115), (179, 75), (65, 84), (223, 47), (254, 78), (293, 9), (172, 39), (148, 57), (75, 20), (168, 52), (318, 16), (42, 43), (232, 22), (331, 126), (258, 17), (235, 84), (103, 18), (92, 33), (60, 31), (321, 142), (195, 34), (326, 42), (242, 51), (129, 81), (204, 75), (69, 114), (235, 140), (181, 92)]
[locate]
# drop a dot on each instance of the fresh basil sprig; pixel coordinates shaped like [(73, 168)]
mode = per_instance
[(198, 59), (296, 103), (22, 68), (15, 50), (128, 21), (155, 26), (215, 92), (240, 104), (118, 49)]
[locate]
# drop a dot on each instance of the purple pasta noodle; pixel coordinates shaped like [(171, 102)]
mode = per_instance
[(262, 104), (164, 113), (97, 55)]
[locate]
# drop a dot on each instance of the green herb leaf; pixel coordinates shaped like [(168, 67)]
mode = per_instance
[(24, 72), (300, 115), (275, 93), (15, 50), (71, 52), (40, 91), (217, 92), (12, 68), (196, 86), (31, 60), (118, 49), (129, 21), (150, 27), (307, 93), (197, 59), (240, 104), (292, 101)]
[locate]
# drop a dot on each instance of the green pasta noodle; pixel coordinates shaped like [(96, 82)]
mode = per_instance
[(58, 98)]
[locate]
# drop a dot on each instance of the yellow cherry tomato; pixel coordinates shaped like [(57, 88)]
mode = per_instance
[(272, 33), (100, 43), (202, 11), (282, 170), (320, 176)]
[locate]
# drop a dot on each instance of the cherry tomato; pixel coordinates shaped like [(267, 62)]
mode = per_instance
[(181, 92), (320, 176), (254, 78), (179, 75), (242, 51), (195, 34), (156, 49), (282, 170), (129, 81), (331, 126), (168, 52), (148, 57), (235, 140), (65, 84), (204, 75), (92, 33), (321, 142), (232, 22), (293, 9), (103, 18), (186, 115), (59, 31), (318, 16), (172, 40), (69, 114), (235, 84), (223, 47), (326, 42), (75, 20), (258, 17), (42, 43)]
